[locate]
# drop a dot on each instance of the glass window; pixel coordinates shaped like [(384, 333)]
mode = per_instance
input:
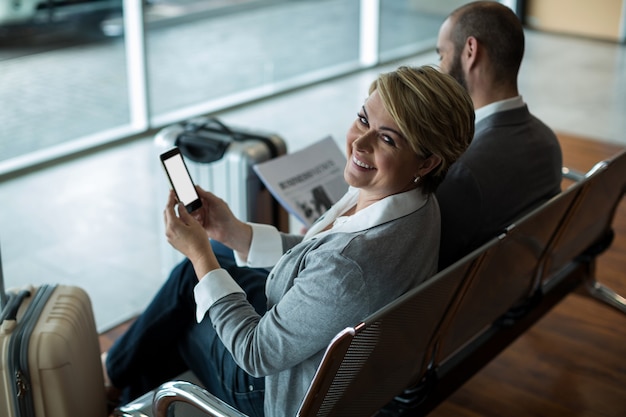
[(248, 53), (61, 78), (65, 66), (411, 26)]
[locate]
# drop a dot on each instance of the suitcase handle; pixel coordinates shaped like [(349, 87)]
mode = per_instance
[(13, 304), (208, 141), (204, 143)]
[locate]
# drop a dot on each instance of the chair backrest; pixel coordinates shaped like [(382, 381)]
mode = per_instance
[(507, 276), (365, 367), (590, 220)]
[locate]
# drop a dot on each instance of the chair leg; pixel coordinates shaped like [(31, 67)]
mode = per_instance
[(605, 294)]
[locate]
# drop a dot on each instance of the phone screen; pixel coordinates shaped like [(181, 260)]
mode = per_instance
[(180, 179)]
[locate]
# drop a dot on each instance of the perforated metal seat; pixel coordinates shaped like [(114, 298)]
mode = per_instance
[(507, 275), (588, 228)]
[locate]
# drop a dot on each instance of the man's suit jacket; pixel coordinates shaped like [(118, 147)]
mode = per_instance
[(512, 165)]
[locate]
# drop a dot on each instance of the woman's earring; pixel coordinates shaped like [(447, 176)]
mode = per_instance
[(416, 179)]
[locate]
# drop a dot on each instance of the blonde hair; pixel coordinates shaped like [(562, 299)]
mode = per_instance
[(433, 112)]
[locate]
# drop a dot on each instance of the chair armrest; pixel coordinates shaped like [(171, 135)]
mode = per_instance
[(183, 391), (572, 174), (577, 176)]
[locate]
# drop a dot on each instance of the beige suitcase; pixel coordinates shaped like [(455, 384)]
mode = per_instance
[(49, 354)]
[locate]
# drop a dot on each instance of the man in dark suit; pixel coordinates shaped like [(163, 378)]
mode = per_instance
[(514, 161)]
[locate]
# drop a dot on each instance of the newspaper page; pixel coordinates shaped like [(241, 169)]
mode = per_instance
[(307, 182)]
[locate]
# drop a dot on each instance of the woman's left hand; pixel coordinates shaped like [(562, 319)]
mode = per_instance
[(188, 236)]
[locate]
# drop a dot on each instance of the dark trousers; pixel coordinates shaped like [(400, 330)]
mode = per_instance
[(166, 341)]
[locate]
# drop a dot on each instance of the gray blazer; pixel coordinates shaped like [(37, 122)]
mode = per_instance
[(318, 288), (512, 165)]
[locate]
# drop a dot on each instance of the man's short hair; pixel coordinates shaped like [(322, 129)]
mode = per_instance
[(498, 29)]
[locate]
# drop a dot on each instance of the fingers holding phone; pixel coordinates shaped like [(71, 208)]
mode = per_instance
[(184, 232), (209, 211), (187, 236)]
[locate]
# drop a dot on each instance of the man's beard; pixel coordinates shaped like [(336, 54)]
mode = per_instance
[(456, 71)]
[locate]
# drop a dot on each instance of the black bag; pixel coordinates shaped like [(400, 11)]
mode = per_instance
[(206, 140)]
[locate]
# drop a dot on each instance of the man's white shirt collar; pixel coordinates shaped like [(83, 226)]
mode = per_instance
[(498, 106)]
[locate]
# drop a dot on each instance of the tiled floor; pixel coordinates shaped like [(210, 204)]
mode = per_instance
[(94, 221)]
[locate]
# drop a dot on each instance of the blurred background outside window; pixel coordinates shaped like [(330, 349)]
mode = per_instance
[(79, 74)]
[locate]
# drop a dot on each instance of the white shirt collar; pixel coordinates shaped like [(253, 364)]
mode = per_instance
[(389, 208), (498, 106)]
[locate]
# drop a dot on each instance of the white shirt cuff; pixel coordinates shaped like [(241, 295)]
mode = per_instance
[(213, 286), (266, 247)]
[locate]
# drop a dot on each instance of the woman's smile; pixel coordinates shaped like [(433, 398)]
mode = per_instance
[(361, 163)]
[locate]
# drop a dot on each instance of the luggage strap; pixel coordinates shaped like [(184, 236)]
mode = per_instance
[(207, 140)]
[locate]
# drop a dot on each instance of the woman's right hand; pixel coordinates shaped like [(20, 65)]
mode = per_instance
[(221, 224)]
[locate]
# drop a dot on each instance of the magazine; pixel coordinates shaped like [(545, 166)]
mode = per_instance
[(307, 182)]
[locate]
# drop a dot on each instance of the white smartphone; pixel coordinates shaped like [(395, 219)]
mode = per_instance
[(180, 180)]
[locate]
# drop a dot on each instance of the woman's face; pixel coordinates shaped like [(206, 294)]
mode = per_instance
[(380, 160)]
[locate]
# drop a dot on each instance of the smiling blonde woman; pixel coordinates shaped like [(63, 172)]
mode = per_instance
[(255, 337)]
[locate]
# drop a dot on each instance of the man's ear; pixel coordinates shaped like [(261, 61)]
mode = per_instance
[(470, 52), (430, 163)]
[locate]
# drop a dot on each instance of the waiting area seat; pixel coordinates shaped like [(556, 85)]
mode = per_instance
[(412, 354), (588, 231), (505, 284)]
